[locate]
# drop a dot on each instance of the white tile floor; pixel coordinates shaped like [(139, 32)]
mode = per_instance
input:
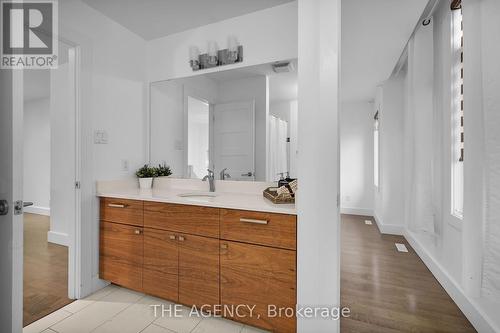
[(118, 310)]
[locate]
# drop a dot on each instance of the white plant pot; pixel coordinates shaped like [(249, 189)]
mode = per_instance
[(145, 183)]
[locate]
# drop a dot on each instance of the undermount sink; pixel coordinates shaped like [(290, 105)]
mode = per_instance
[(195, 195)]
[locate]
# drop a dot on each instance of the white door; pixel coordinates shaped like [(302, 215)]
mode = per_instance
[(234, 140), (11, 225)]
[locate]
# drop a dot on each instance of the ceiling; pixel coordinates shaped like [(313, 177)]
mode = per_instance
[(152, 19), (374, 34)]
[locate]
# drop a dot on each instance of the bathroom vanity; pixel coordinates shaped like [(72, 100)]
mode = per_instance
[(225, 250)]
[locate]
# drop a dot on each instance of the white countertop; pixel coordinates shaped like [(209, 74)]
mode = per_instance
[(243, 200)]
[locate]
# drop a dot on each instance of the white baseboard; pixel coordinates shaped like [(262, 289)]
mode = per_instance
[(356, 211), (37, 210), (58, 238), (468, 306), (389, 229)]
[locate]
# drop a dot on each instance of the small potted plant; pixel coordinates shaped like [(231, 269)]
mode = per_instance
[(146, 175), (163, 170)]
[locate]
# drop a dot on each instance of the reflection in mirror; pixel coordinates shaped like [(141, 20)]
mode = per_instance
[(198, 137), (240, 123)]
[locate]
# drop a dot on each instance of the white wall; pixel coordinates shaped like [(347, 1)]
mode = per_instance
[(252, 88), (388, 198), (356, 158), (267, 35), (37, 155), (113, 98), (318, 225)]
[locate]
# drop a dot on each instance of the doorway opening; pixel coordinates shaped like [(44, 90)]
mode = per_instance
[(50, 144)]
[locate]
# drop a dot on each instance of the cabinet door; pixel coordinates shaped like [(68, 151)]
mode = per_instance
[(161, 264), (198, 270), (121, 254), (259, 276)]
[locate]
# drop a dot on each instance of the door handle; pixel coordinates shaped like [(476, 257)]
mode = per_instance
[(248, 174), (4, 207), (27, 204)]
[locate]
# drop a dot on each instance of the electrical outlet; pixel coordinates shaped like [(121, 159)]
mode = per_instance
[(178, 145), (124, 165)]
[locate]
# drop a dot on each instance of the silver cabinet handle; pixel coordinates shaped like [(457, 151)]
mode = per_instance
[(137, 231), (181, 238), (116, 205), (172, 237), (248, 174), (223, 246), (253, 221)]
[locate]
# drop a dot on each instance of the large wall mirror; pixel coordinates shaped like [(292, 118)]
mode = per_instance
[(240, 123)]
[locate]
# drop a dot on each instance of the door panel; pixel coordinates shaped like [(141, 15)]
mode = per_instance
[(11, 226), (161, 264), (259, 276), (234, 139), (198, 270), (121, 254)]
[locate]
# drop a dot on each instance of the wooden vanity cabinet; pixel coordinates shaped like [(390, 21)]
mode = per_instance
[(203, 256), (259, 276), (121, 254), (198, 270), (161, 264)]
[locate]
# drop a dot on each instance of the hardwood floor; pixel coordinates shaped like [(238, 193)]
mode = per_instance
[(45, 271), (390, 291)]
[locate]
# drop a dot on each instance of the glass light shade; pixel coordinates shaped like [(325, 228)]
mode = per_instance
[(194, 53), (212, 49), (232, 44)]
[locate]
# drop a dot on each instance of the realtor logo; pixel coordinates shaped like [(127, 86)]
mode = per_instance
[(28, 31)]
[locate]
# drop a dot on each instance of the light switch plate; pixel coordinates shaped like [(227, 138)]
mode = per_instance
[(100, 137)]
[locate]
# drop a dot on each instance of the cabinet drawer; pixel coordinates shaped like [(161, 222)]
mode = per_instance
[(121, 254), (122, 211), (196, 220), (276, 230), (259, 277)]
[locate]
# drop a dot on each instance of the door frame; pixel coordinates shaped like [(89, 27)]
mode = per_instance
[(74, 231), (186, 93)]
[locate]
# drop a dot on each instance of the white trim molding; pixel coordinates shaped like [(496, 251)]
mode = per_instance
[(45, 211), (469, 307), (356, 211), (58, 238), (389, 229)]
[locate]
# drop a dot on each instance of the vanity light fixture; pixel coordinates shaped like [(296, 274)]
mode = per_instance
[(213, 53), (194, 57), (232, 49), (215, 57)]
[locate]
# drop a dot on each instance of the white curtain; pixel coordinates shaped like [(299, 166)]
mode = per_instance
[(278, 156), (424, 167)]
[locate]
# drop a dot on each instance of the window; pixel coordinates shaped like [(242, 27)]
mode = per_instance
[(376, 156), (457, 119)]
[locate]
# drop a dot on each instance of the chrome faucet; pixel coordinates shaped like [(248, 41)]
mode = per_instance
[(210, 177), (224, 174)]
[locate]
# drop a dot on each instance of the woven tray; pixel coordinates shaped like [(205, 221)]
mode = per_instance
[(271, 194)]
